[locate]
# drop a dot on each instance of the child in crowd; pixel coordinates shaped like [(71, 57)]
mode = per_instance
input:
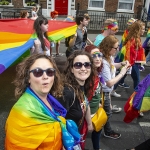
[(41, 44), (54, 15)]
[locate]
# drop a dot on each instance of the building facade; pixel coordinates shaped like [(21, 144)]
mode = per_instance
[(68, 7)]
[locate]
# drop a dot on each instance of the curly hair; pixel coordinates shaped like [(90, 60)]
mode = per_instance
[(37, 27), (134, 33), (106, 46), (22, 77), (88, 49), (70, 78), (23, 13)]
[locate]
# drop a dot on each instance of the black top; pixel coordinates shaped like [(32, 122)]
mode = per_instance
[(74, 111)]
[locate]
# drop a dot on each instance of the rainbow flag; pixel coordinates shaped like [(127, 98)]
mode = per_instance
[(129, 52), (31, 125), (17, 36), (139, 101)]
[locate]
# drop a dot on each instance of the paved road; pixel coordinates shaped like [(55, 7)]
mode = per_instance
[(132, 134)]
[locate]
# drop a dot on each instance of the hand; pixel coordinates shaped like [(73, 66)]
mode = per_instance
[(75, 34), (36, 43), (63, 148), (90, 127)]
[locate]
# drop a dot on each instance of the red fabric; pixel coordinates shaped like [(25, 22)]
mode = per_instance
[(133, 54), (131, 113), (47, 43), (96, 81), (83, 132)]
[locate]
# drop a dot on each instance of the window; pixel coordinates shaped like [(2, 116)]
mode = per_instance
[(26, 1), (96, 4), (6, 2), (126, 4)]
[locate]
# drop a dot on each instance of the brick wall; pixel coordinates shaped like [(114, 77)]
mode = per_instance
[(44, 3), (110, 5), (17, 3)]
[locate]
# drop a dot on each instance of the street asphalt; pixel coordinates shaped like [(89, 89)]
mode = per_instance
[(132, 134)]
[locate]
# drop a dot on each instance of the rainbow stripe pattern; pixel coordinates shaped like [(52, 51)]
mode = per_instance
[(129, 52), (139, 101), (111, 26), (17, 36), (31, 125)]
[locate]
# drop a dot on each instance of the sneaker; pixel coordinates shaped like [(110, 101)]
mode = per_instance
[(113, 93), (60, 54), (124, 85), (116, 109), (113, 135), (141, 114)]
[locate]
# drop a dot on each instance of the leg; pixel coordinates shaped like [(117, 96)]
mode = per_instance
[(107, 103), (57, 47), (96, 139), (135, 74)]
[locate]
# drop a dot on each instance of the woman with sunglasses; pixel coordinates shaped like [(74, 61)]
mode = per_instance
[(41, 44), (79, 74), (109, 47), (37, 120), (95, 96)]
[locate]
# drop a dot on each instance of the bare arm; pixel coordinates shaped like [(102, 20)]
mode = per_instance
[(89, 41), (88, 119), (123, 63), (113, 81)]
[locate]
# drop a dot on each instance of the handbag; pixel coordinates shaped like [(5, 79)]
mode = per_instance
[(100, 117)]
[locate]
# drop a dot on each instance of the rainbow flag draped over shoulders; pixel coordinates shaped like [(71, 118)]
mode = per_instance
[(129, 52), (31, 125), (17, 36), (139, 101)]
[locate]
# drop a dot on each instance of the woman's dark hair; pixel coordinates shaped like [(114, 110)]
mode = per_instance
[(22, 77), (37, 27), (70, 78), (88, 49)]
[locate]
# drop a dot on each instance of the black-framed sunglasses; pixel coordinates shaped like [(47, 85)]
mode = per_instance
[(99, 55), (39, 72), (116, 48), (78, 65)]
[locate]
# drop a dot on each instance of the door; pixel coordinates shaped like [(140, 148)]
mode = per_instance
[(61, 6)]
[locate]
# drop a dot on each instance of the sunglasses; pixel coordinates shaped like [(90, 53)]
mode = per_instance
[(116, 29), (78, 65), (39, 72), (116, 48), (99, 55)]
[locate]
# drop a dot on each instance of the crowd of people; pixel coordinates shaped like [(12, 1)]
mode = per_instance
[(53, 107)]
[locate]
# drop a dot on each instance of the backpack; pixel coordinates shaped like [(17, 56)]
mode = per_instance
[(67, 41)]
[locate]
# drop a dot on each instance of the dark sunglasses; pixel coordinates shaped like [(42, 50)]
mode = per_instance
[(99, 55), (116, 48), (78, 65), (39, 72)]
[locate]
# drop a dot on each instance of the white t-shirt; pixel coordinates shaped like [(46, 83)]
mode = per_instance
[(108, 73), (34, 14), (38, 50)]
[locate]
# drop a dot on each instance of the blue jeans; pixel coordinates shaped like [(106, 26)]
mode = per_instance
[(107, 102), (96, 139), (135, 74)]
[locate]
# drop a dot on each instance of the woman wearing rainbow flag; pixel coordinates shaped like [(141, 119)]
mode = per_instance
[(36, 121), (133, 51)]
